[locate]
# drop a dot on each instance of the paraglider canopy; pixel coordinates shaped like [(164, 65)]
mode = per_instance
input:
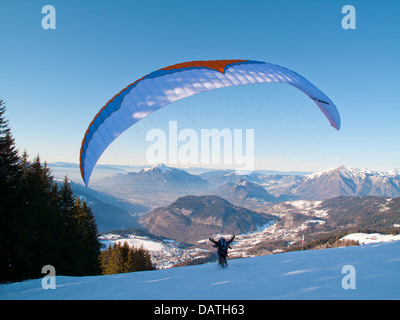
[(172, 83)]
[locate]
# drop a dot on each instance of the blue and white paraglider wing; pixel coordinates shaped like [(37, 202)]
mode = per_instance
[(166, 85)]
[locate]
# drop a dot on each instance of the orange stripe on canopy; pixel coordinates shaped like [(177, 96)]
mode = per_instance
[(218, 65)]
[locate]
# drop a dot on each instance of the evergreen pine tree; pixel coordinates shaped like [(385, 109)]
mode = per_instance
[(9, 159), (82, 247), (110, 259), (41, 224), (143, 260), (70, 232), (91, 242), (9, 177), (121, 259), (66, 200)]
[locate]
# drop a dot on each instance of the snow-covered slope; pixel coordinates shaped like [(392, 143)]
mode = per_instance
[(366, 238), (315, 274)]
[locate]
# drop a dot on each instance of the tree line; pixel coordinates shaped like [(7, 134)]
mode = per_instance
[(42, 222), (122, 258)]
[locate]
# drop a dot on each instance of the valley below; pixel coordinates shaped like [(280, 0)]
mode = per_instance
[(172, 212)]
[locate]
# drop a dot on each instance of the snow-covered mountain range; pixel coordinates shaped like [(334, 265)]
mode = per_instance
[(343, 181), (159, 178), (338, 181), (138, 193)]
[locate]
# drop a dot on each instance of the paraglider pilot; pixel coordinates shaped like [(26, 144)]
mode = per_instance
[(222, 244)]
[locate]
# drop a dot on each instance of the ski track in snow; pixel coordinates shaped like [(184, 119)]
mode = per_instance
[(314, 274)]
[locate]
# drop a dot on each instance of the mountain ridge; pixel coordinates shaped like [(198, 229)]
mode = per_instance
[(191, 218), (159, 177), (348, 181), (244, 190)]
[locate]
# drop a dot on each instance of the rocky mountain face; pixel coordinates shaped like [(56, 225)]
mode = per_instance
[(192, 218)]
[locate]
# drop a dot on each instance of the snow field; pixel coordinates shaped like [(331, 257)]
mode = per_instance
[(366, 238), (313, 274)]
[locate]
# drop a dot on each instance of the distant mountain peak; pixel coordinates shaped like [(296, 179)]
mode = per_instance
[(160, 167), (395, 172), (243, 182)]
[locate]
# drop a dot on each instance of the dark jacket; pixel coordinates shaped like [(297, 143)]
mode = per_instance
[(222, 245)]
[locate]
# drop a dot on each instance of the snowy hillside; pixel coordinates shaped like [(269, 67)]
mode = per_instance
[(366, 238), (314, 274)]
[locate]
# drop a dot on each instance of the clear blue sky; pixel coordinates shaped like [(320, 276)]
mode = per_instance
[(55, 81)]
